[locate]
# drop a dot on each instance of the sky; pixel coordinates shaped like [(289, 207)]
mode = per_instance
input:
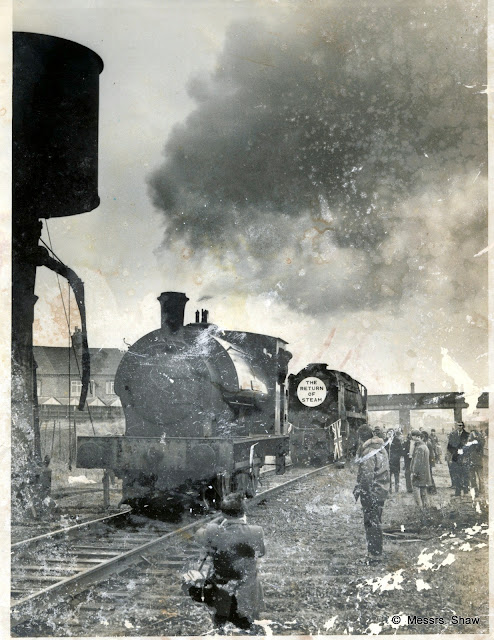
[(311, 170)]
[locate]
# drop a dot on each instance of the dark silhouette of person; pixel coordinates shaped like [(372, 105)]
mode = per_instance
[(395, 453), (459, 464), (236, 594), (407, 456), (372, 488)]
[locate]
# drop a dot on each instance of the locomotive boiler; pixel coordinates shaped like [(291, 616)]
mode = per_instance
[(326, 407), (204, 409)]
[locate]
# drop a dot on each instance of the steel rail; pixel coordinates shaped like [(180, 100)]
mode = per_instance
[(72, 585), (259, 497), (66, 530), (21, 610)]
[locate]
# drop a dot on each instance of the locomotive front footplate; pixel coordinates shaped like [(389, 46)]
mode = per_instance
[(165, 471)]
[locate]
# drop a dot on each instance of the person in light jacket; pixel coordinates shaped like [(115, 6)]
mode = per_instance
[(432, 461), (420, 470), (474, 451), (372, 488), (234, 547)]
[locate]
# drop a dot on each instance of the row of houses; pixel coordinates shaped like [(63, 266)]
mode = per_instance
[(58, 378)]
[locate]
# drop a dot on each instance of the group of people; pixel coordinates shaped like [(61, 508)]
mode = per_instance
[(465, 460), (232, 587), (379, 463), (420, 452)]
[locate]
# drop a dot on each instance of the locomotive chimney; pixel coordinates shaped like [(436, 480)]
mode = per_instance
[(172, 310)]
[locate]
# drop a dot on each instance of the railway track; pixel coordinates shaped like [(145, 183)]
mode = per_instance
[(54, 569)]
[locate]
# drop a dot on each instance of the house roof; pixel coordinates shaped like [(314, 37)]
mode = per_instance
[(73, 402), (55, 360), (51, 400)]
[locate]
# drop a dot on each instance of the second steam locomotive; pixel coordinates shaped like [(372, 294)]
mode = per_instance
[(326, 408)]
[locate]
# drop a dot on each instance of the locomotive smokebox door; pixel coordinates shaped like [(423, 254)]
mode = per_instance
[(326, 408)]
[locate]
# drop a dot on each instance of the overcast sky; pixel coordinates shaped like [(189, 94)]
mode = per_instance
[(315, 171)]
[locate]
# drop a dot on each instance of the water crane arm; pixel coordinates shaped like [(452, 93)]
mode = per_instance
[(43, 259)]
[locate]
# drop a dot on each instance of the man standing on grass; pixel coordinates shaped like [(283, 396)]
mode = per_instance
[(372, 488), (395, 453)]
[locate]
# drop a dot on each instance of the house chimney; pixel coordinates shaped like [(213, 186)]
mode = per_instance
[(204, 318), (197, 316), (412, 387), (76, 338), (172, 310)]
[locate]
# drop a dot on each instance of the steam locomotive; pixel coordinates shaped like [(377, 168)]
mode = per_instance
[(326, 408), (204, 409)]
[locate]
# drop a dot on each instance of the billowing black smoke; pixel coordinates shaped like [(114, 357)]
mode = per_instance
[(317, 135)]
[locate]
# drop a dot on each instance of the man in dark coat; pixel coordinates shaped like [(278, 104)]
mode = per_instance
[(437, 447), (395, 453), (234, 547), (447, 457), (407, 456), (458, 465), (372, 488), (420, 470)]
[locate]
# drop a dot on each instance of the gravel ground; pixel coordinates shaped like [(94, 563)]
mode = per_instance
[(316, 580), (314, 574)]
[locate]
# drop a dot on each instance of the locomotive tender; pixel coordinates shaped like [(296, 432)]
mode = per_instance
[(326, 408), (203, 409)]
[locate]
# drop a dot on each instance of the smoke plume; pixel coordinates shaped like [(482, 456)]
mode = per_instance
[(337, 158)]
